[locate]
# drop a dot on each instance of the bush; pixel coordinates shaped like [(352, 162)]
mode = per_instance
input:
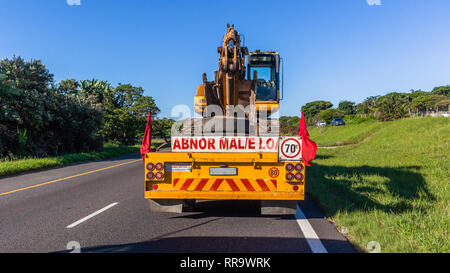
[(357, 120), (289, 125), (330, 114), (38, 120), (392, 106), (47, 123), (311, 110), (442, 90)]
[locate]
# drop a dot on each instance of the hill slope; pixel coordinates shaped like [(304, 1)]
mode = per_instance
[(392, 188), (343, 135)]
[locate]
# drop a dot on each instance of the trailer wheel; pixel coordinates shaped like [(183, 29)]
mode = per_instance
[(188, 205)]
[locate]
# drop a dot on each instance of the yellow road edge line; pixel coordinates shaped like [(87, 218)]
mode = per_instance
[(68, 177)]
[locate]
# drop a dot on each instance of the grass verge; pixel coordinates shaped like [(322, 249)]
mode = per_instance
[(27, 164), (392, 189), (344, 135)]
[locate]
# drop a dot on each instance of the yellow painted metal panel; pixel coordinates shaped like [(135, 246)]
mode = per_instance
[(259, 176)]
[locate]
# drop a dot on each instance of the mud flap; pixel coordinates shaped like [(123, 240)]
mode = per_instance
[(171, 205), (166, 205), (278, 207)]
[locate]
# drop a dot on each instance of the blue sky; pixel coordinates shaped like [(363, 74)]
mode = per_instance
[(333, 49)]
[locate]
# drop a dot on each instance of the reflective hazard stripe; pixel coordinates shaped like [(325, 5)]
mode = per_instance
[(247, 185), (187, 184), (262, 185), (219, 184), (201, 184)]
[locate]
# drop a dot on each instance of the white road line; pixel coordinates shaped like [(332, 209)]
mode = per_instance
[(91, 215), (310, 235)]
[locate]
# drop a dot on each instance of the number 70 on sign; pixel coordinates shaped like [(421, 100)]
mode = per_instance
[(290, 149)]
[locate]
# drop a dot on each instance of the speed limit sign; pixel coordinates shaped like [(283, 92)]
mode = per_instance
[(290, 149)]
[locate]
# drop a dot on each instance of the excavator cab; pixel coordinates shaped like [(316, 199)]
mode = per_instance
[(266, 67)]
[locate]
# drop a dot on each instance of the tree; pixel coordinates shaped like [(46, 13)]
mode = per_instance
[(442, 90), (417, 93), (392, 106), (347, 107), (23, 75), (329, 114), (312, 109), (367, 107), (126, 109), (429, 102), (96, 92), (162, 128), (443, 105), (289, 125), (39, 118), (69, 86), (44, 122)]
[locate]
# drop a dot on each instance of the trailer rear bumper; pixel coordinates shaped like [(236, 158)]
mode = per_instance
[(231, 176), (224, 195)]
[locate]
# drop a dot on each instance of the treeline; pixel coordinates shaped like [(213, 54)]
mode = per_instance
[(383, 108), (39, 117)]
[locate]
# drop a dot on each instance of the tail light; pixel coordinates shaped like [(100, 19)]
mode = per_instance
[(159, 166), (295, 188), (299, 167), (150, 176), (299, 176), (150, 166), (289, 176), (159, 175), (155, 186), (289, 167)]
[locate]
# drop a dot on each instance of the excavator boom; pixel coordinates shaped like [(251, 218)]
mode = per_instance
[(256, 85)]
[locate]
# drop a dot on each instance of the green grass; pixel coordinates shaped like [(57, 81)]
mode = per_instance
[(20, 165), (392, 188), (344, 135)]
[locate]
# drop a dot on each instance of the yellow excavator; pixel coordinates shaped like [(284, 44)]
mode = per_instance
[(235, 84), (250, 164)]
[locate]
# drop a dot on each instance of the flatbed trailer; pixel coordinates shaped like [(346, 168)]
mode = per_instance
[(177, 179), (234, 151)]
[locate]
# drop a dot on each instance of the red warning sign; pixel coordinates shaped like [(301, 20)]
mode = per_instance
[(274, 172), (290, 148)]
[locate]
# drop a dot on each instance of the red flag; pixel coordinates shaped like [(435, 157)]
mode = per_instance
[(309, 147), (147, 140)]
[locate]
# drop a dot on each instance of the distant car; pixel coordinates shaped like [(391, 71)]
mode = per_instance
[(321, 123), (337, 122)]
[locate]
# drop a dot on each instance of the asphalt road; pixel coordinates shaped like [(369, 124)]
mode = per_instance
[(99, 206)]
